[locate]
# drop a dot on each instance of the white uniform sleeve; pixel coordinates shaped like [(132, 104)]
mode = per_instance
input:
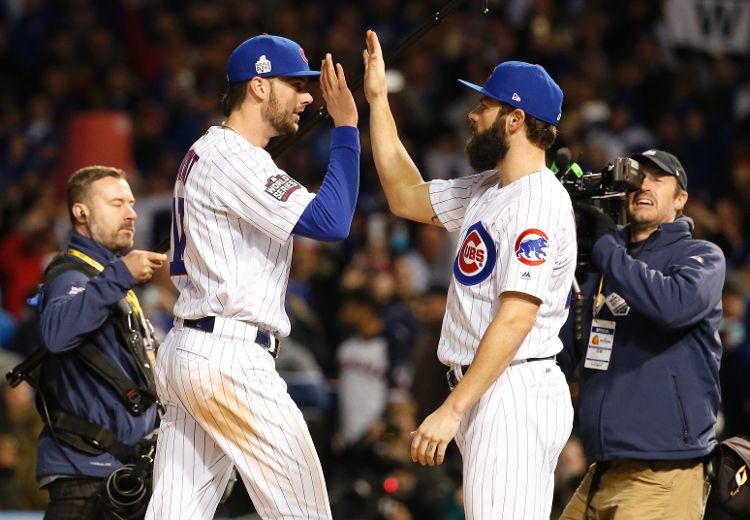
[(532, 235), (248, 183), (450, 198)]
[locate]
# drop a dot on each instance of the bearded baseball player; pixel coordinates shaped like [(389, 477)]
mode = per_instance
[(234, 216), (510, 410)]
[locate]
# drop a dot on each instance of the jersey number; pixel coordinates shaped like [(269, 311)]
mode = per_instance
[(177, 265)]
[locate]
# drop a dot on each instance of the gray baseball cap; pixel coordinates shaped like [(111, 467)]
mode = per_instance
[(666, 162)]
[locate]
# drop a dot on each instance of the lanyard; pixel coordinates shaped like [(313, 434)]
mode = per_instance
[(599, 298), (130, 296)]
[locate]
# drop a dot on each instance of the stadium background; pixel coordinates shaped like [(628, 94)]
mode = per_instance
[(133, 83)]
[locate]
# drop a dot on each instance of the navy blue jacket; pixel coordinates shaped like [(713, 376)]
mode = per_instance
[(659, 398), (78, 307)]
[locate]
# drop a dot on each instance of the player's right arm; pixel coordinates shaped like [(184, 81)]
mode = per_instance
[(407, 193)]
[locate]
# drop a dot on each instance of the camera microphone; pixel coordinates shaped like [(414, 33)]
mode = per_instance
[(562, 160)]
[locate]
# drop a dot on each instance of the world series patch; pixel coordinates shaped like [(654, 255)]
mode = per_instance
[(476, 257), (281, 186)]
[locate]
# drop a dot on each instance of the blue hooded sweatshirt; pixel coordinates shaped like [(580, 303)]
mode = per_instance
[(659, 398)]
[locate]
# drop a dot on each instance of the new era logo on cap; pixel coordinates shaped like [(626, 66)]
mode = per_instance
[(524, 86), (268, 56)]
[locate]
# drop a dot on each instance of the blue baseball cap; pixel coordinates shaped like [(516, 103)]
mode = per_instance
[(524, 86), (267, 56)]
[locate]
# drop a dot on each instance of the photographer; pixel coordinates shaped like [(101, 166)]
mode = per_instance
[(649, 356), (96, 392)]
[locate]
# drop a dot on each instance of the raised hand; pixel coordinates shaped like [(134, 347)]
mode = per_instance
[(375, 84), (142, 264), (336, 93)]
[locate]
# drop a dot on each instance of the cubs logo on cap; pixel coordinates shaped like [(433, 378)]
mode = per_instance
[(531, 247), (476, 257)]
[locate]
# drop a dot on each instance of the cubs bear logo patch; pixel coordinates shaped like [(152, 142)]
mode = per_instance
[(476, 257), (530, 247)]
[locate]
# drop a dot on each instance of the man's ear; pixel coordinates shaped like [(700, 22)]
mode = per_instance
[(80, 212), (680, 200), (258, 88), (516, 120)]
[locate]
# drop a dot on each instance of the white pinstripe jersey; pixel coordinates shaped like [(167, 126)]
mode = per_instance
[(234, 212), (521, 238)]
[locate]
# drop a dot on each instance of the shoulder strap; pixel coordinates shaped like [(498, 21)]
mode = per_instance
[(88, 437), (63, 263), (136, 399)]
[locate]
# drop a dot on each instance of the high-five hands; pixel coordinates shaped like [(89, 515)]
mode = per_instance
[(375, 83), (336, 93)]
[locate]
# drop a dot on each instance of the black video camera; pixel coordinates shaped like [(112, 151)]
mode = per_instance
[(606, 189)]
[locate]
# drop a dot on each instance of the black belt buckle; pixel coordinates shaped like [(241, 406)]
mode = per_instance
[(273, 346)]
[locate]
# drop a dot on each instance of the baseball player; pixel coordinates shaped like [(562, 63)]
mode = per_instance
[(510, 409), (234, 216)]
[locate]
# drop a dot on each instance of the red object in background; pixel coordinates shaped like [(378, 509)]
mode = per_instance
[(390, 485), (20, 271), (102, 137)]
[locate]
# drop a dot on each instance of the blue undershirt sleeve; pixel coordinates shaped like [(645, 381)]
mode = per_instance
[(328, 217)]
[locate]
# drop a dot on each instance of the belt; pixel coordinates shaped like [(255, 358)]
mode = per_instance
[(453, 380), (265, 339)]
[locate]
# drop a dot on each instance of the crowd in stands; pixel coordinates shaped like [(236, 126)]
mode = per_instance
[(136, 82)]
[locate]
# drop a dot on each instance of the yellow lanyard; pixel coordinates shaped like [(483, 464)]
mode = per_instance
[(129, 296), (599, 298)]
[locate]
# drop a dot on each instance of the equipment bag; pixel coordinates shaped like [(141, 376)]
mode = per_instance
[(730, 483)]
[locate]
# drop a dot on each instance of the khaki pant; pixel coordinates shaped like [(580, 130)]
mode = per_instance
[(642, 490)]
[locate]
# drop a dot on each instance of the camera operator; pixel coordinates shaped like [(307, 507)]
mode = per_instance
[(96, 392), (649, 356)]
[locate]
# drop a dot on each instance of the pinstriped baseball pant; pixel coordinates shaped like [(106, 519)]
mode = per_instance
[(510, 441), (227, 405)]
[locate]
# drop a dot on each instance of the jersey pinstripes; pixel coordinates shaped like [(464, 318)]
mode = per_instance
[(238, 247), (217, 416), (534, 202), (225, 403), (520, 238)]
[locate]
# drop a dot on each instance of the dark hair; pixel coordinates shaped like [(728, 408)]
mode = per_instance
[(234, 96), (539, 133), (81, 180)]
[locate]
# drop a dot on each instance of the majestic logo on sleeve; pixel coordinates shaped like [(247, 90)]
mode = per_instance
[(476, 258), (281, 187), (530, 247)]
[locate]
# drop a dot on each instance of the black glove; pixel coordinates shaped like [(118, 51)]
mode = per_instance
[(592, 224)]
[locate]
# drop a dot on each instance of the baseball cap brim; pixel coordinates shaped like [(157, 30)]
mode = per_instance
[(479, 89), (653, 161), (301, 74)]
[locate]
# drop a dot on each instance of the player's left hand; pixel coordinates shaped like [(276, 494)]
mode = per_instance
[(339, 99), (431, 439)]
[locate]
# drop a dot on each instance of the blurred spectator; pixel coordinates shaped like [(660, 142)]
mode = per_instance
[(364, 368)]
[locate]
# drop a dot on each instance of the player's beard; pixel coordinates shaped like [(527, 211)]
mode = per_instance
[(281, 118), (486, 149)]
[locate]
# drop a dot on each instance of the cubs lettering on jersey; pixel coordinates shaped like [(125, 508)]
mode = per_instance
[(476, 257)]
